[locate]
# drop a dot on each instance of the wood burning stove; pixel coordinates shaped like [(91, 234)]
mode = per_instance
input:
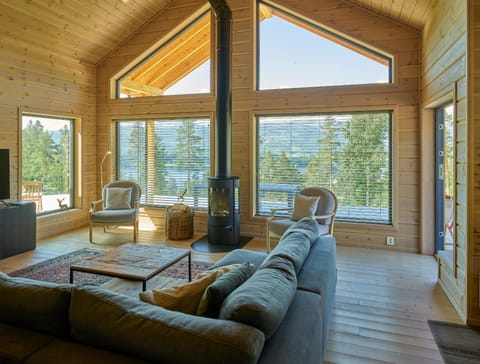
[(223, 188), (224, 210)]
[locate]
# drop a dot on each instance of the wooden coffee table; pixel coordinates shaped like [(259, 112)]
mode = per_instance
[(137, 262)]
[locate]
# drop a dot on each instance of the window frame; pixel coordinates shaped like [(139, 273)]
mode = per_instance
[(75, 173), (197, 205), (392, 213), (132, 67), (322, 29)]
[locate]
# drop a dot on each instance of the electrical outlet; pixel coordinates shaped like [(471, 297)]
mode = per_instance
[(390, 240)]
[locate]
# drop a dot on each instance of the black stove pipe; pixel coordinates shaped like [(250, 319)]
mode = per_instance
[(223, 118)]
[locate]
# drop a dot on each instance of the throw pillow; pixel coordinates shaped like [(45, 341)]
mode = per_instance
[(117, 198), (185, 297), (220, 270), (216, 292), (304, 206), (263, 300)]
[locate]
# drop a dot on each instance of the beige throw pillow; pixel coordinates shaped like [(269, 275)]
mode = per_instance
[(117, 198), (185, 297), (304, 206)]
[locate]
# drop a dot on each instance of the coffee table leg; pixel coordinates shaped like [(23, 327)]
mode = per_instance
[(189, 267), (144, 286), (71, 276)]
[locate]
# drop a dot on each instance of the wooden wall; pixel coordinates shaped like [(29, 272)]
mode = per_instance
[(444, 78), (473, 252), (402, 97), (35, 80)]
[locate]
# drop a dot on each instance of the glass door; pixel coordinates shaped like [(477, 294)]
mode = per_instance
[(445, 178)]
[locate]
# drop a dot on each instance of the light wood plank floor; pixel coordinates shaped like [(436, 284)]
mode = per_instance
[(383, 302)]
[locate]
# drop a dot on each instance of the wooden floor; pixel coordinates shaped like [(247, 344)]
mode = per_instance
[(383, 302)]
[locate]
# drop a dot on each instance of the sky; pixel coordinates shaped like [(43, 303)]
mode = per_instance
[(292, 57)]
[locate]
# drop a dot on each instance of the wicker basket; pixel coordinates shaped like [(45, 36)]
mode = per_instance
[(179, 222)]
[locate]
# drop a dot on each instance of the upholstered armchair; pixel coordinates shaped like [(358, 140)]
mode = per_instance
[(119, 206), (316, 202)]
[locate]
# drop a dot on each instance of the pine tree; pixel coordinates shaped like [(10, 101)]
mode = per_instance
[(267, 168), (190, 155), (322, 167), (40, 157), (135, 162), (363, 179)]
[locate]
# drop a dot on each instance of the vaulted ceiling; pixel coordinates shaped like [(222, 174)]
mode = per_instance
[(89, 29)]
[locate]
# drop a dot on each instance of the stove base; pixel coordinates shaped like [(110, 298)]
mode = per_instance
[(202, 245)]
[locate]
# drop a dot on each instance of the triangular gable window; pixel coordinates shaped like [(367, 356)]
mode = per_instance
[(180, 66), (294, 53)]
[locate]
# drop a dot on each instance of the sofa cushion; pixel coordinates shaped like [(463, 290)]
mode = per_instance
[(17, 343), (36, 305), (263, 300), (295, 242), (62, 352), (299, 338), (319, 275), (216, 292), (116, 322), (319, 271), (306, 226), (295, 248), (240, 256)]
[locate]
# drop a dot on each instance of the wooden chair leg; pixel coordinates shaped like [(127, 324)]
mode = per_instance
[(135, 231), (90, 233), (267, 239)]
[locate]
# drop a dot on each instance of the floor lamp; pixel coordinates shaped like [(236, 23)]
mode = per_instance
[(107, 153)]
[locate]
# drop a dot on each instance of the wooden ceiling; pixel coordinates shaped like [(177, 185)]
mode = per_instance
[(89, 29), (84, 29), (172, 62), (413, 13)]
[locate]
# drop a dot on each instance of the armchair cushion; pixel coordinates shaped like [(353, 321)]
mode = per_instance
[(304, 206), (117, 198), (113, 216)]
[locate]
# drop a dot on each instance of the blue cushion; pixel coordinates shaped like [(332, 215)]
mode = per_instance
[(263, 300), (300, 336), (37, 305), (216, 292), (118, 216), (106, 319)]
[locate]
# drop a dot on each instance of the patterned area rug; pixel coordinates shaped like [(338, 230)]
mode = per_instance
[(457, 343), (58, 270)]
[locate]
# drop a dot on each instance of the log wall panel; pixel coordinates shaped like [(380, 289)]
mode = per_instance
[(444, 71), (473, 134), (37, 80), (402, 97)]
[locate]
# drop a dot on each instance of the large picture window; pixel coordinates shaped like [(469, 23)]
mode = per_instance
[(180, 66), (309, 55), (47, 162), (347, 153), (168, 158)]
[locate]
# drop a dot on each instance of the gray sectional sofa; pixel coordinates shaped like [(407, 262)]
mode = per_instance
[(281, 314)]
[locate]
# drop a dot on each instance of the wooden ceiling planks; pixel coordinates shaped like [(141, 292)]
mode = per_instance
[(176, 59), (89, 29), (85, 29), (413, 13)]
